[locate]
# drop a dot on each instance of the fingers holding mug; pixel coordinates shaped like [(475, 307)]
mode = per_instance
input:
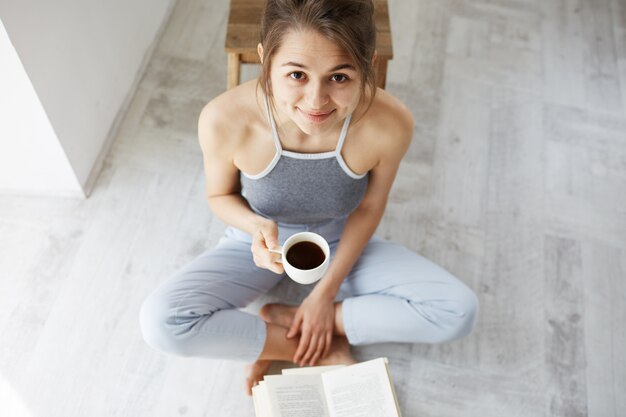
[(275, 267), (278, 257), (276, 262), (264, 240)]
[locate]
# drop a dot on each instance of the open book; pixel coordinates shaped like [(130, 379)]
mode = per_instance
[(361, 390)]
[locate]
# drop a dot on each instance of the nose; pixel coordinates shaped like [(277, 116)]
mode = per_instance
[(316, 95)]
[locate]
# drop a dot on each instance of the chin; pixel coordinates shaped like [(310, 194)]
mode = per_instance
[(308, 129), (315, 128)]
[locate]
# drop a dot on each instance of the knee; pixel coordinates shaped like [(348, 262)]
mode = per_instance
[(158, 328), (459, 321)]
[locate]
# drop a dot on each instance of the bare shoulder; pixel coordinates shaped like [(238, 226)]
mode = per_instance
[(388, 125), (226, 121)]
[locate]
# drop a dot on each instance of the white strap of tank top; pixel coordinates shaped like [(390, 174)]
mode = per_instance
[(342, 136), (270, 118)]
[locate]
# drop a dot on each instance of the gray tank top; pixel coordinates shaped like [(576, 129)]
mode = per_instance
[(304, 188)]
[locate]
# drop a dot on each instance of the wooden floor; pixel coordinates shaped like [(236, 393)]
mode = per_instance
[(515, 182)]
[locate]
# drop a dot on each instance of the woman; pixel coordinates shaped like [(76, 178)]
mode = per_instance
[(310, 145)]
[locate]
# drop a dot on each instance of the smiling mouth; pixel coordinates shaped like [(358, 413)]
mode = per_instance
[(316, 117)]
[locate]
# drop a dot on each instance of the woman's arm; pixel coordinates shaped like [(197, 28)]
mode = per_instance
[(223, 187)]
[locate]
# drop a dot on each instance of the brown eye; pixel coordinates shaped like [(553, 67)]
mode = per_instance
[(297, 75), (339, 78)]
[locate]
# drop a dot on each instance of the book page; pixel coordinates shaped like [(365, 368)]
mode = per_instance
[(311, 370), (361, 390), (296, 395), (261, 400)]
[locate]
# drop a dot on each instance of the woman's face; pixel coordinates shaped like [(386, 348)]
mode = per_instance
[(314, 82)]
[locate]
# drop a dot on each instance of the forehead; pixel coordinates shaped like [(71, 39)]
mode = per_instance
[(308, 47)]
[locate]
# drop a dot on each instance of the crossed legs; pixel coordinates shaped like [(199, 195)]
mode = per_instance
[(391, 295)]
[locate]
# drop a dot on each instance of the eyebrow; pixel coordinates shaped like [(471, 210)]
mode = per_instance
[(337, 68)]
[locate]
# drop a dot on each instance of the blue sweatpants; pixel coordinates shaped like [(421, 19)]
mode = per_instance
[(391, 295)]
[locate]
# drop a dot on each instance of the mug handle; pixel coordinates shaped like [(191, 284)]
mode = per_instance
[(279, 251)]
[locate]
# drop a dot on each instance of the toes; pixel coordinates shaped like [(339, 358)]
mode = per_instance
[(255, 373), (251, 381)]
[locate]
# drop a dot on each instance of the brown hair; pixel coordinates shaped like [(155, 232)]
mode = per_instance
[(349, 23)]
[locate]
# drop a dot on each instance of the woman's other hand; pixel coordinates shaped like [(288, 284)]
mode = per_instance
[(314, 320), (263, 239)]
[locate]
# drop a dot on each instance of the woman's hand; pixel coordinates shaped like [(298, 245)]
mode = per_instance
[(315, 320), (263, 239)]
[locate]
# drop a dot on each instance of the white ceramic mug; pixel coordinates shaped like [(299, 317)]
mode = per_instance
[(304, 276)]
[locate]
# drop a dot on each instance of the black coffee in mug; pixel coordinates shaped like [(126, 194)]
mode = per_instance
[(305, 255)]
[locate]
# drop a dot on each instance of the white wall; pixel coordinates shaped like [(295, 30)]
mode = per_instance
[(31, 157), (76, 63)]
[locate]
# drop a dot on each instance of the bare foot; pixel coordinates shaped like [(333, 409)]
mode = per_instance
[(255, 372), (339, 353), (280, 314)]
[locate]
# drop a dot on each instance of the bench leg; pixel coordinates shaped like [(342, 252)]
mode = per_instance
[(234, 64), (381, 72)]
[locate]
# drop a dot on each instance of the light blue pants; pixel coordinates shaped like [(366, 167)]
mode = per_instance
[(391, 295)]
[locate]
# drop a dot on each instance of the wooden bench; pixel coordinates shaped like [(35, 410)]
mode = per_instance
[(243, 35)]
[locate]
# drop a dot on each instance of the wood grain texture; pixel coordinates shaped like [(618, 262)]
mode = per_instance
[(515, 182)]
